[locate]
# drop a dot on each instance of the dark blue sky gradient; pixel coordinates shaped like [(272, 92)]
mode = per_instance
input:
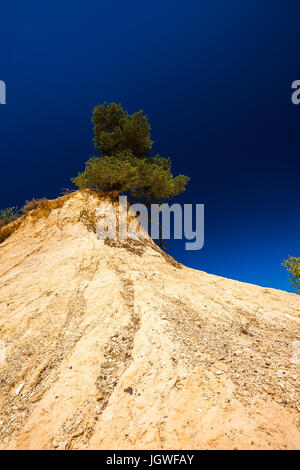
[(214, 78)]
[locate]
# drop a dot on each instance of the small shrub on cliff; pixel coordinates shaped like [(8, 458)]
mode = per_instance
[(65, 191), (8, 215), (292, 264), (33, 204)]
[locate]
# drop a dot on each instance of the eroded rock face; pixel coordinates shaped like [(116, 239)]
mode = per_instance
[(116, 345)]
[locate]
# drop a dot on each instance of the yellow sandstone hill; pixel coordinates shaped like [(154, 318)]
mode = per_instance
[(115, 345)]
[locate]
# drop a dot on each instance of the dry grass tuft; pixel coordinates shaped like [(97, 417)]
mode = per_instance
[(33, 204), (35, 209), (46, 206)]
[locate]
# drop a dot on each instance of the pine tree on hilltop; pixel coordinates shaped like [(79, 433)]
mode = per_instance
[(125, 164)]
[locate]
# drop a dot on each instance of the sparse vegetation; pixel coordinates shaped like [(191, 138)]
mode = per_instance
[(292, 264), (65, 191), (11, 218), (8, 215), (33, 204), (246, 324)]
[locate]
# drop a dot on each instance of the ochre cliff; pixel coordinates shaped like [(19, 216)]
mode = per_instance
[(117, 346)]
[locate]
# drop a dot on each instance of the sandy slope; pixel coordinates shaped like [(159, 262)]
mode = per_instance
[(118, 346)]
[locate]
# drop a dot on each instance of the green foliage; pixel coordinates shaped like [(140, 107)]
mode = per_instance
[(124, 164), (114, 173), (117, 131), (146, 179), (292, 264), (156, 182), (8, 215)]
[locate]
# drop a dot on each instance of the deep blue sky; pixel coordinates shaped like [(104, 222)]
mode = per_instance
[(213, 76)]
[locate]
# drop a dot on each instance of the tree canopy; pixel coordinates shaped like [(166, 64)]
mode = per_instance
[(117, 131), (125, 164), (292, 264)]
